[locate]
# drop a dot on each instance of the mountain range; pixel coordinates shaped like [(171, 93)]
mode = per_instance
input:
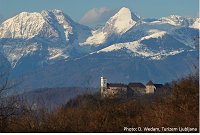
[(49, 49)]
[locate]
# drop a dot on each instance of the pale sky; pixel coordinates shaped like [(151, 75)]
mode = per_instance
[(77, 9)]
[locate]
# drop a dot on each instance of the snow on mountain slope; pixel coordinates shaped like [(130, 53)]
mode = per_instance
[(118, 24), (187, 35), (154, 34), (146, 47), (50, 32), (165, 23), (196, 24), (47, 24), (14, 54), (57, 21), (25, 25), (109, 34), (55, 53), (122, 21), (65, 26), (177, 20), (96, 38), (16, 50)]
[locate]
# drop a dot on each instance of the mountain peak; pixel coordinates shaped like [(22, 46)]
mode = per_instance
[(58, 14), (123, 13), (57, 11), (118, 24), (177, 20), (23, 25), (53, 11), (123, 20), (124, 10)]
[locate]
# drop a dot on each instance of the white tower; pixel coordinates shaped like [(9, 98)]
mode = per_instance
[(103, 85)]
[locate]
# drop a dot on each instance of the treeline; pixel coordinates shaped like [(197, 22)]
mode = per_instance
[(91, 113)]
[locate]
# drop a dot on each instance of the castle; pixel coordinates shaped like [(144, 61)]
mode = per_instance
[(122, 90)]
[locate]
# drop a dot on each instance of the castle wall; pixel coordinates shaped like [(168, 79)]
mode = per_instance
[(138, 90), (117, 91), (150, 89)]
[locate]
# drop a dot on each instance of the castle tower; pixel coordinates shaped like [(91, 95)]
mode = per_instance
[(150, 87), (103, 85)]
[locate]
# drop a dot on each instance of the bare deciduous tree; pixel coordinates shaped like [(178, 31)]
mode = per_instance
[(9, 105)]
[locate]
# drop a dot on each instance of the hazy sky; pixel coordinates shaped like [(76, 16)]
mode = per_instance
[(80, 10)]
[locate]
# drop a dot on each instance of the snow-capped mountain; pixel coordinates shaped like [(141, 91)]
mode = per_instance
[(47, 24), (177, 20), (25, 26), (118, 24), (125, 26), (156, 46), (49, 34), (49, 49)]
